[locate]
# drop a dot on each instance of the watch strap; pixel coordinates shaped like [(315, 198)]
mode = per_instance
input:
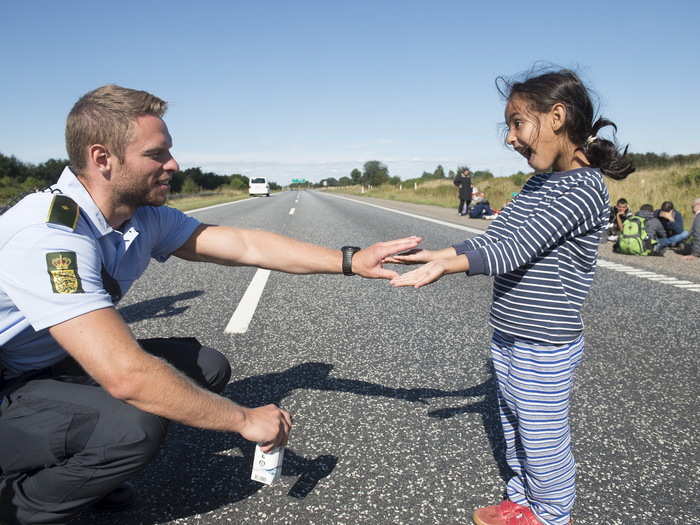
[(348, 252)]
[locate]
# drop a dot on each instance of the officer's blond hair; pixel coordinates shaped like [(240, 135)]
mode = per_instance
[(106, 116)]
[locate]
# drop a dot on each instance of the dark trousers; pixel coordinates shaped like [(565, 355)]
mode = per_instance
[(464, 206), (65, 442)]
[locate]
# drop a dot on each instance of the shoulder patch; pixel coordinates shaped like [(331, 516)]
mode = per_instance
[(64, 211), (63, 272)]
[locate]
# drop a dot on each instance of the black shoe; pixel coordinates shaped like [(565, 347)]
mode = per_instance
[(121, 498)]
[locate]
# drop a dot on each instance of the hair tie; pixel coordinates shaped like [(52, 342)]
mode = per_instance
[(591, 139)]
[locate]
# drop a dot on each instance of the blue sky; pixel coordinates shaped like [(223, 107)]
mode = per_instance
[(315, 89)]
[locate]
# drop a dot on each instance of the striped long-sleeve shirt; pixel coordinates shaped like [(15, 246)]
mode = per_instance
[(543, 249)]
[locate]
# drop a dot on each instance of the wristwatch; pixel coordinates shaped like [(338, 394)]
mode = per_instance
[(348, 252)]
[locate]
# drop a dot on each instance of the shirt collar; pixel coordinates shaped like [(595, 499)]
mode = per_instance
[(71, 186)]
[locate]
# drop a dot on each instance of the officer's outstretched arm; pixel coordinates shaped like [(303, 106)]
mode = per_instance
[(105, 347), (236, 246)]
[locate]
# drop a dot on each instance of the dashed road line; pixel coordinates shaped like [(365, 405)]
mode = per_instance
[(240, 320), (413, 215), (650, 276), (291, 212)]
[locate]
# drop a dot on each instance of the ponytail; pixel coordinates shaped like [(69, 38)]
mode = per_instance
[(604, 154)]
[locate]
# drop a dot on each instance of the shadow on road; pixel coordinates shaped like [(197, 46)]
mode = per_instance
[(159, 307), (197, 472), (488, 410)]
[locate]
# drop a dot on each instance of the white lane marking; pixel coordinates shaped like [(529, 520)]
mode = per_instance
[(291, 212), (617, 267), (219, 205), (428, 219), (238, 324)]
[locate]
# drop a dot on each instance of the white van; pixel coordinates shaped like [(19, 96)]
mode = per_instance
[(259, 186)]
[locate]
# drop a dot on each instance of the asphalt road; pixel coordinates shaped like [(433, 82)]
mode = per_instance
[(392, 390)]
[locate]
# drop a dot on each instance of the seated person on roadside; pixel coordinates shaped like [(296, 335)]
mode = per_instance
[(85, 405), (672, 221), (481, 208), (618, 215), (652, 225), (695, 233)]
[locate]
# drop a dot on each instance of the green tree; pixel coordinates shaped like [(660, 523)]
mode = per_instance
[(238, 182), (48, 172), (375, 173), (482, 175), (11, 167), (439, 173), (190, 186), (345, 181), (356, 176)]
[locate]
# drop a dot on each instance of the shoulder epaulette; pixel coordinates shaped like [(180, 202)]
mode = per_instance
[(63, 211)]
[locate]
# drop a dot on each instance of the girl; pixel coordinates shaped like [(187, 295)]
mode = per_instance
[(542, 250)]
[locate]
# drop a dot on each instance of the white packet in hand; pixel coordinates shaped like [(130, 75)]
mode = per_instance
[(267, 467)]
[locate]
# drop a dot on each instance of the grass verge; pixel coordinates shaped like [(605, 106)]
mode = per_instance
[(679, 184), (192, 203)]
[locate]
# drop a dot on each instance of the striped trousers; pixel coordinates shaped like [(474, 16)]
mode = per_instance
[(534, 389)]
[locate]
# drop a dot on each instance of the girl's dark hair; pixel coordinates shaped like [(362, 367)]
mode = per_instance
[(542, 90)]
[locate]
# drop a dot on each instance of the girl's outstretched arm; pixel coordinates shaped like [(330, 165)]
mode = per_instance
[(580, 211)]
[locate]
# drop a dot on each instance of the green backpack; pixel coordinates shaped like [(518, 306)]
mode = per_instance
[(634, 239)]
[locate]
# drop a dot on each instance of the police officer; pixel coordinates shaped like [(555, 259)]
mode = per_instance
[(84, 404), (463, 181)]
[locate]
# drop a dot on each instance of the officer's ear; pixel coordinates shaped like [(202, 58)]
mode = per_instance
[(100, 157)]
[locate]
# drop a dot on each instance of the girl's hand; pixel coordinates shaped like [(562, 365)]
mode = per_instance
[(416, 256), (419, 256), (426, 274)]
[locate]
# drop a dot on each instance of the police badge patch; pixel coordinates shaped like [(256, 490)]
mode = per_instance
[(63, 271)]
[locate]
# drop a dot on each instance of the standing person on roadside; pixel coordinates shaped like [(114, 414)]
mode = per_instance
[(85, 405), (463, 181), (542, 251)]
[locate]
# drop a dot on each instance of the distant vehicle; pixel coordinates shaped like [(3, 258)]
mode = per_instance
[(259, 186)]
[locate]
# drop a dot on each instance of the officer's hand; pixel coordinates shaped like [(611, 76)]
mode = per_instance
[(368, 262), (268, 425)]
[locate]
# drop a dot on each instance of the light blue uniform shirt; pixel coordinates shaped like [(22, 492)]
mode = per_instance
[(29, 304)]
